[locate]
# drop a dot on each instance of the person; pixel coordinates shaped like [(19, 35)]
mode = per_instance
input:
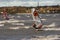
[(37, 21), (4, 14), (35, 14)]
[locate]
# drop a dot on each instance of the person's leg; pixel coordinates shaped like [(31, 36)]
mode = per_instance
[(39, 23), (34, 25), (3, 16)]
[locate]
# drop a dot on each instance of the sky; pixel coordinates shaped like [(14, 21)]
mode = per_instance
[(28, 2)]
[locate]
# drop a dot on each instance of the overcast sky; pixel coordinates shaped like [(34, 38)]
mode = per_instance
[(28, 2)]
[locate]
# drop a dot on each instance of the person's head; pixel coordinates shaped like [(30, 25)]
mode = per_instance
[(36, 9)]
